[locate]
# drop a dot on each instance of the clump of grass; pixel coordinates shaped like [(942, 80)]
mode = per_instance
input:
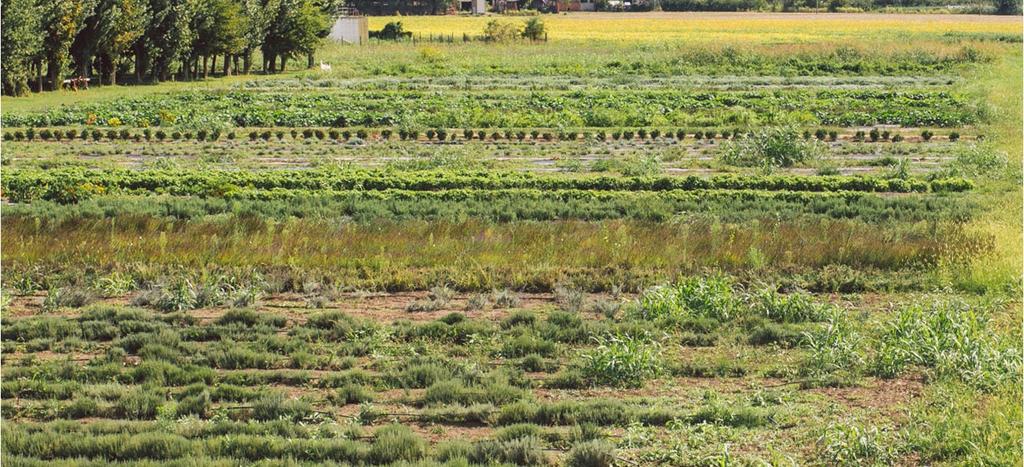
[(520, 451), (477, 301), (622, 360), (569, 298), (517, 431), (505, 298), (948, 336), (68, 297), (835, 354), (791, 308), (437, 298), (853, 444), (520, 318), (526, 344), (396, 443), (593, 453), (275, 406), (711, 297), (607, 308)]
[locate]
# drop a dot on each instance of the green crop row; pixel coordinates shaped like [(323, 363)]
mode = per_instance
[(31, 134), (73, 184), (496, 109)]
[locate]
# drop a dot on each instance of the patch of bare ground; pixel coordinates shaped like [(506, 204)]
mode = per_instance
[(883, 396)]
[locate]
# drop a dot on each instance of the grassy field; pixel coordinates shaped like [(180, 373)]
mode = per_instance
[(655, 239)]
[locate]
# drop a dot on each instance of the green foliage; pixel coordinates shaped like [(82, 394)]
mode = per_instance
[(696, 297), (835, 351), (395, 443), (772, 147), (596, 453), (951, 337), (501, 31), (534, 29), (624, 361), (851, 443)]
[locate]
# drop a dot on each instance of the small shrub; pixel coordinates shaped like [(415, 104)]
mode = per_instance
[(477, 301), (520, 451), (595, 453), (68, 297), (396, 443), (353, 394), (569, 298), (772, 147), (954, 136), (505, 298)]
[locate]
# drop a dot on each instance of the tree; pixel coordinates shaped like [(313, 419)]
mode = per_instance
[(1008, 7), (257, 18), (121, 23), (21, 43), (167, 38), (219, 30), (534, 29), (296, 30), (61, 22)]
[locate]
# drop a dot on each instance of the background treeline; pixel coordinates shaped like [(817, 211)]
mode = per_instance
[(433, 7), (45, 41)]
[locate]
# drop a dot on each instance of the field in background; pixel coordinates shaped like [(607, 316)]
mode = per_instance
[(679, 239)]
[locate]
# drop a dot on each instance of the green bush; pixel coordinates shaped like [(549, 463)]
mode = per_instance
[(623, 361), (595, 453), (772, 147), (396, 443)]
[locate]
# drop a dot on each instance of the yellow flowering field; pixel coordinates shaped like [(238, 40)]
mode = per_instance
[(748, 27)]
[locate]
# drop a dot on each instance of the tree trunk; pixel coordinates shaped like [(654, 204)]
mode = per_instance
[(213, 64), (247, 62), (206, 73), (39, 77), (113, 71), (284, 61), (271, 65), (309, 60), (227, 65), (52, 72)]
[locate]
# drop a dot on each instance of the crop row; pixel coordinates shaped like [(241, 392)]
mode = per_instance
[(434, 134), (72, 184), (516, 109), (506, 205)]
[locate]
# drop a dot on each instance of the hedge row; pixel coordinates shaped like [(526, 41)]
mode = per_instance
[(74, 183)]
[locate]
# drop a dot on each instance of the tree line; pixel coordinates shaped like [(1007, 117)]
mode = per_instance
[(43, 41)]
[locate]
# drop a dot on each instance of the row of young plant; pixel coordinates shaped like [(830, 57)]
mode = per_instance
[(387, 445), (513, 109), (948, 336), (83, 206), (439, 134), (72, 184)]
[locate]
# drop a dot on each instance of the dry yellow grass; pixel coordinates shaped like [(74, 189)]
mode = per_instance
[(732, 27)]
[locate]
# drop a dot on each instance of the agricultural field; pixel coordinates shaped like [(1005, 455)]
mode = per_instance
[(653, 239)]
